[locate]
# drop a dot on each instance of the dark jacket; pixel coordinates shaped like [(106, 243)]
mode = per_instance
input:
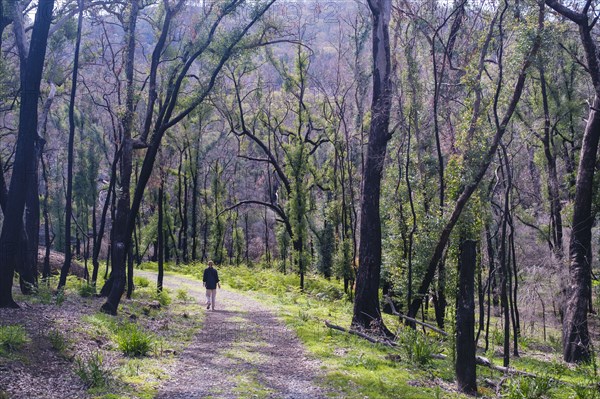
[(210, 278)]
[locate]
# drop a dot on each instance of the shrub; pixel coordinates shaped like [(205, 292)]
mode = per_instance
[(183, 295), (92, 372), (58, 341), (12, 338), (141, 282), (59, 296), (529, 388), (163, 297), (86, 290), (133, 341), (417, 347), (43, 293)]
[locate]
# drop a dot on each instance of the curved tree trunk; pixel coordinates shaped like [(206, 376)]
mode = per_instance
[(366, 306), (12, 249), (576, 339)]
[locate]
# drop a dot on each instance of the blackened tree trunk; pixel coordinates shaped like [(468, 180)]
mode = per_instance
[(69, 197), (160, 239), (106, 206), (576, 339), (120, 239), (366, 304), (12, 250), (48, 240), (29, 274), (466, 369)]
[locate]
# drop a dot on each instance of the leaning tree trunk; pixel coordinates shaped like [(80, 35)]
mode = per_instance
[(576, 339), (120, 231), (366, 304), (12, 250), (480, 171), (466, 369)]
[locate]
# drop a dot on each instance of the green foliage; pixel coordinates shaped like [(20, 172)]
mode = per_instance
[(528, 388), (163, 297), (183, 296), (326, 249), (132, 340), (141, 282), (92, 371), (58, 340), (86, 290), (12, 338), (417, 347)]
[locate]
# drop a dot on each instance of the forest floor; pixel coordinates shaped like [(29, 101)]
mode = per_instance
[(266, 339), (239, 350), (243, 350)]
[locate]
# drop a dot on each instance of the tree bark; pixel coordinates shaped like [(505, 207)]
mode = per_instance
[(576, 339), (12, 251), (121, 231), (366, 304), (70, 158), (466, 369), (160, 237)]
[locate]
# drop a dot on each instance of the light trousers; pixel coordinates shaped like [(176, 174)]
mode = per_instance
[(211, 296)]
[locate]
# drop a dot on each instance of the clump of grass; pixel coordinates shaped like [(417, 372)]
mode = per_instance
[(92, 371), (86, 290), (417, 347), (183, 296), (133, 341), (163, 297), (141, 282), (12, 338), (528, 388), (58, 341)]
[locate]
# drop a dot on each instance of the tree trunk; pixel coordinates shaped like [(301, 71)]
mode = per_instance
[(69, 196), (576, 339), (466, 369), (100, 235), (120, 229), (366, 305), (11, 249), (160, 239)]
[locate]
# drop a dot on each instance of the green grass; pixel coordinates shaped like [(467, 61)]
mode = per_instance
[(12, 339), (357, 369), (133, 340), (352, 367)]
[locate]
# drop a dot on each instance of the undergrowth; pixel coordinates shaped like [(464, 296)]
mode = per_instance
[(355, 368)]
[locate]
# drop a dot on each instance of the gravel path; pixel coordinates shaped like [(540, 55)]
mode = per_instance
[(242, 351)]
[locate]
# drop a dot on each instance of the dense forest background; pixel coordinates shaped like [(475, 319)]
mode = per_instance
[(184, 131)]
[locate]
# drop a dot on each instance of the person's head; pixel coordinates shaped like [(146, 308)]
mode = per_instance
[(210, 263)]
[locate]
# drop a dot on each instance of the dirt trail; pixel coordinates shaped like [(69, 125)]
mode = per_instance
[(242, 351)]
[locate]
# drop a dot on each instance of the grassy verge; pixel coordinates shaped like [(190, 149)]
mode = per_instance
[(115, 357), (355, 368), (352, 367)]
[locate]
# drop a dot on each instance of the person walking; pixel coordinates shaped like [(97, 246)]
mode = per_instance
[(211, 282)]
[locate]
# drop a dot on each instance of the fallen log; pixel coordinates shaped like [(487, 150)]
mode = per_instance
[(421, 323), (359, 334)]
